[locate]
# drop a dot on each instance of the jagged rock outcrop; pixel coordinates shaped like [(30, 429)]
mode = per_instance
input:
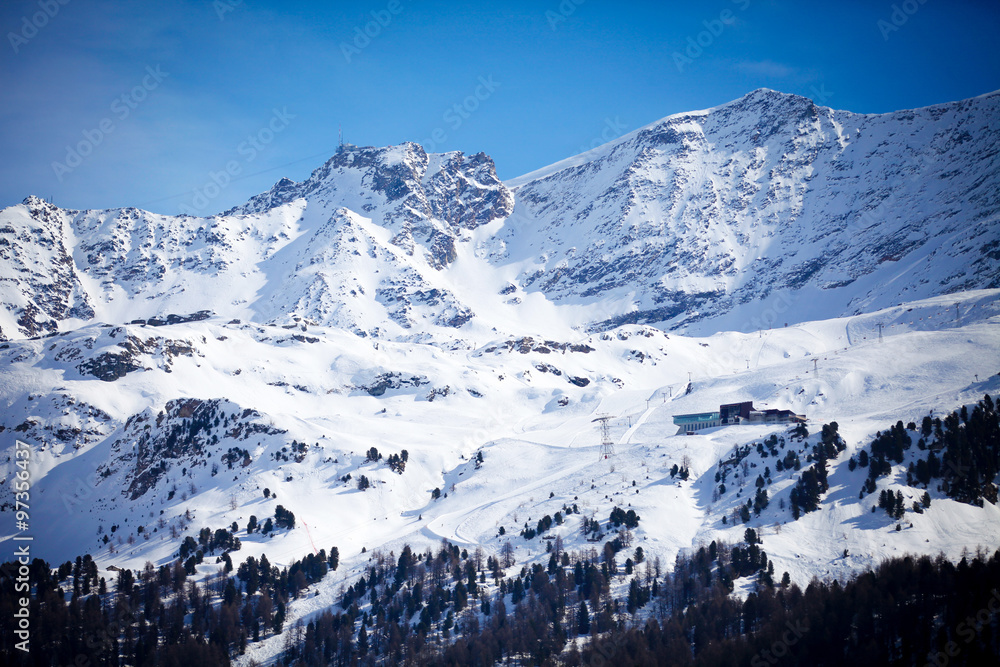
[(183, 433), (766, 210), (39, 284)]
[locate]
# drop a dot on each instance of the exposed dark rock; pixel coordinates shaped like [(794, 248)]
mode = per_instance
[(110, 366), (182, 432), (393, 380)]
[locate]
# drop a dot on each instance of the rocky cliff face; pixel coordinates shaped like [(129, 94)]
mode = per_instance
[(372, 228), (186, 432), (424, 200), (763, 210), (39, 284), (696, 215)]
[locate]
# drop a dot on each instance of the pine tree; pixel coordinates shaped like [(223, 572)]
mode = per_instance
[(334, 558), (363, 637), (583, 618)]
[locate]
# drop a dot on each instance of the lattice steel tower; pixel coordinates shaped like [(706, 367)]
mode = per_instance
[(607, 447)]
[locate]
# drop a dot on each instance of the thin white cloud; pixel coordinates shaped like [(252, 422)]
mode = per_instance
[(767, 68)]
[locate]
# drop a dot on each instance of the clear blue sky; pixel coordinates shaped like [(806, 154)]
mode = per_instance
[(182, 85)]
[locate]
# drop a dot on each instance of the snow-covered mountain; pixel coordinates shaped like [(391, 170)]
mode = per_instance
[(173, 373), (143, 434), (764, 210), (704, 217), (360, 245)]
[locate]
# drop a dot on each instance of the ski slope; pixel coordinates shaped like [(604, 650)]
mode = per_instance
[(538, 455)]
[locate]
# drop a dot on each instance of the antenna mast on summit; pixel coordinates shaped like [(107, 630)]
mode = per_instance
[(340, 136)]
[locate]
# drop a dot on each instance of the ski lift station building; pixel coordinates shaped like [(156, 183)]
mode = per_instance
[(697, 421), (734, 413)]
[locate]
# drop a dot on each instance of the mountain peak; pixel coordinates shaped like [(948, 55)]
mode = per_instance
[(768, 93), (33, 201), (764, 99), (675, 224), (681, 217)]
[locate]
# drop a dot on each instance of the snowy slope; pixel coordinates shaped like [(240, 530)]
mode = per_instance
[(167, 370), (360, 245), (766, 210), (711, 220), (513, 400)]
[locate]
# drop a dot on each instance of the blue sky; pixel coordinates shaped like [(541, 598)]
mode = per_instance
[(165, 96)]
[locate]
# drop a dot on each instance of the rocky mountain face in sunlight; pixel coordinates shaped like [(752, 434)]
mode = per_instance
[(403, 352), (689, 223), (701, 213)]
